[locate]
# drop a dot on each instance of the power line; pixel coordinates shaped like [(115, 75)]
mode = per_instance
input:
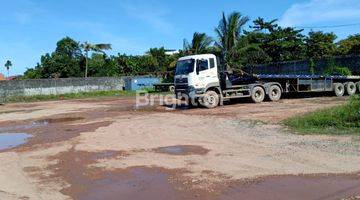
[(329, 26)]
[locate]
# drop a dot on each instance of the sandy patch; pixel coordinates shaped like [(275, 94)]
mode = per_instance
[(236, 149)]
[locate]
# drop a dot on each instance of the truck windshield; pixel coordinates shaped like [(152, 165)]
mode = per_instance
[(184, 67)]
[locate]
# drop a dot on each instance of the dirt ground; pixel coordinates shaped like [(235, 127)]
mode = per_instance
[(109, 149)]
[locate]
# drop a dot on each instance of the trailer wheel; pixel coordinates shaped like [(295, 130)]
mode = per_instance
[(350, 88), (339, 89), (210, 99), (274, 93), (172, 88), (258, 94)]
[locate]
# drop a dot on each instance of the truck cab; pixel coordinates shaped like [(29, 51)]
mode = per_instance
[(200, 79), (195, 74)]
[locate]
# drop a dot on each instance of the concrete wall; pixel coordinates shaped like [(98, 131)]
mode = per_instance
[(59, 86)]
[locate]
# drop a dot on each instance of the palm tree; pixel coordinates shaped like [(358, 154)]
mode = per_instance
[(260, 24), (87, 47), (8, 64), (229, 32), (199, 44)]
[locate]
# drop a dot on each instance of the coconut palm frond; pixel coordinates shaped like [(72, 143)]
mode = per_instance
[(199, 43), (229, 31), (87, 47), (102, 46)]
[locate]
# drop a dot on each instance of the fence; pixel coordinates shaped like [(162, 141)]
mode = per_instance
[(58, 86), (308, 67)]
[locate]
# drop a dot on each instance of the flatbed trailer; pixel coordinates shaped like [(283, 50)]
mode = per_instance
[(312, 83), (276, 84), (164, 87)]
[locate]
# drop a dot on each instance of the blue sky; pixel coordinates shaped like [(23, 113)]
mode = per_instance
[(30, 28)]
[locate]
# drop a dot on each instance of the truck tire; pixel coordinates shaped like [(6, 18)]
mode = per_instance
[(350, 88), (172, 88), (274, 93), (339, 89), (358, 87), (192, 103), (210, 100), (258, 94)]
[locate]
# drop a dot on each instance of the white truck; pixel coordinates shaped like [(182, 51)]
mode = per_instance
[(202, 79)]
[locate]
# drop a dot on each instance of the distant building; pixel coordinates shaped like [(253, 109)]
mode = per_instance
[(10, 78), (2, 77), (171, 52)]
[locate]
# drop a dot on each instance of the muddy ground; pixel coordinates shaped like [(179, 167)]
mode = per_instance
[(109, 149)]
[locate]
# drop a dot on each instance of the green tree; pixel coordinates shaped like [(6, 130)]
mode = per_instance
[(320, 45), (350, 45), (228, 31), (251, 55), (97, 65), (64, 62), (200, 43), (250, 49), (33, 73), (161, 59), (124, 67), (87, 47), (8, 64), (147, 64), (260, 25), (281, 44)]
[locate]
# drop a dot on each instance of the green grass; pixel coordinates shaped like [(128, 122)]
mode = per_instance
[(81, 95), (344, 119)]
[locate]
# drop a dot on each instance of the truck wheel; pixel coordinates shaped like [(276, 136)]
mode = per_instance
[(172, 88), (274, 93), (257, 94), (339, 89), (192, 103), (350, 88), (210, 99)]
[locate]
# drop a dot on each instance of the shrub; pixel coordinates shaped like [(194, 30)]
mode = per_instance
[(337, 70), (336, 120)]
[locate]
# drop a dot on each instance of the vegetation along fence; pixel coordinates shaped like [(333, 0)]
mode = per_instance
[(327, 66)]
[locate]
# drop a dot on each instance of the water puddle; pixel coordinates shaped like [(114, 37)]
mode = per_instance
[(107, 155), (140, 183), (182, 150), (57, 120), (10, 140), (137, 183), (42, 122)]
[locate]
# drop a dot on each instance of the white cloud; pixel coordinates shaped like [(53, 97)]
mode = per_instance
[(149, 12), (321, 11)]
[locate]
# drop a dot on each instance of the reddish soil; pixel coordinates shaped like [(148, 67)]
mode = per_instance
[(144, 183), (85, 180)]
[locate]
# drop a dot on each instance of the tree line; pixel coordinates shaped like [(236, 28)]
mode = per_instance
[(262, 42)]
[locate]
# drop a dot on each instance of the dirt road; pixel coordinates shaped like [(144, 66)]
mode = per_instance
[(108, 149)]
